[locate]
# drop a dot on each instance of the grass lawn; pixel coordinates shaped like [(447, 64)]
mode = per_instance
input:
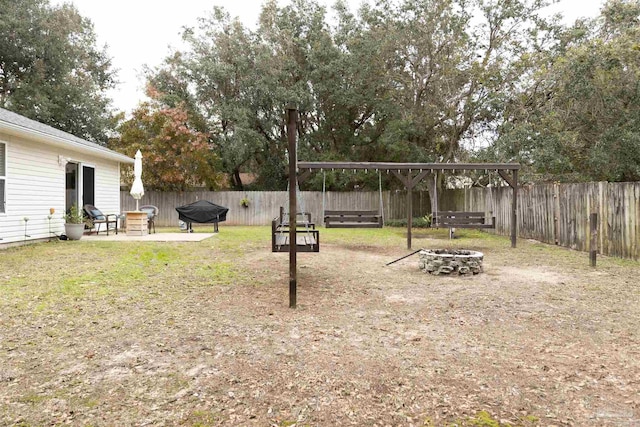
[(200, 334)]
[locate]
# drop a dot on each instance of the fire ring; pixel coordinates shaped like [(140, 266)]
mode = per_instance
[(451, 261)]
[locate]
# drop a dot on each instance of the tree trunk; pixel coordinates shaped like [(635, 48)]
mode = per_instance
[(236, 181)]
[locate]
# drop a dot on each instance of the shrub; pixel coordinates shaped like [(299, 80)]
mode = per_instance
[(418, 222)]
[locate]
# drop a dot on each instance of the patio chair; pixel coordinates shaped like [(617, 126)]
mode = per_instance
[(152, 213), (98, 218)]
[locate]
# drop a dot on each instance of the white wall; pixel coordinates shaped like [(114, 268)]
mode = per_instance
[(36, 183)]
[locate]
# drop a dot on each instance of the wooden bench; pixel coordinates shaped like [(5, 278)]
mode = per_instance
[(459, 219), (352, 219), (307, 237)]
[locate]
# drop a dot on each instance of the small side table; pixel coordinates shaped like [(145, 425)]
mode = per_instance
[(137, 223)]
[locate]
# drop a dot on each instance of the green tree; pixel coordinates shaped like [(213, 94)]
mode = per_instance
[(453, 65), (407, 81), (579, 119), (219, 81), (51, 69), (176, 157)]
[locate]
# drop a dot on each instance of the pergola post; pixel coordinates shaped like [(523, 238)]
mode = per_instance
[(293, 159), (409, 182), (513, 183), (406, 181)]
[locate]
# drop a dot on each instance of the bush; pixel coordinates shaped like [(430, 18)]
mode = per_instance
[(419, 222)]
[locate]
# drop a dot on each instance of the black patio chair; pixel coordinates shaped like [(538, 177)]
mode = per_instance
[(98, 218)]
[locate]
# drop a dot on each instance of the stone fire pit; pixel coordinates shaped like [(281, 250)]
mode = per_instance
[(450, 261)]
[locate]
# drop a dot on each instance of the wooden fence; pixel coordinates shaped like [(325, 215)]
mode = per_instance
[(264, 205), (559, 214), (551, 213)]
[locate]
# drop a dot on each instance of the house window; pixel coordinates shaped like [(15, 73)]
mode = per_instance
[(3, 176)]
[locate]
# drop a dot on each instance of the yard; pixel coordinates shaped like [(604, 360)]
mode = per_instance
[(200, 334)]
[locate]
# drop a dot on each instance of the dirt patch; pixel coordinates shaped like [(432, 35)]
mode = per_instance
[(202, 335), (532, 274)]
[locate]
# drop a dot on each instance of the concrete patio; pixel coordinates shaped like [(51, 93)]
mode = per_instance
[(155, 237)]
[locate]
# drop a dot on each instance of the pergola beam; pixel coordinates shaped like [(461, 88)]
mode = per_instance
[(391, 166), (401, 177), (416, 179), (506, 178)]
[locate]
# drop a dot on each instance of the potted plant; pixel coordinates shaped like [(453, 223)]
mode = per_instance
[(74, 223), (244, 202)]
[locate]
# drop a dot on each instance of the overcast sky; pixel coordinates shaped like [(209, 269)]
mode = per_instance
[(139, 32)]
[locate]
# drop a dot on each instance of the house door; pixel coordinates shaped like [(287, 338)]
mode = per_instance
[(71, 185), (88, 185)]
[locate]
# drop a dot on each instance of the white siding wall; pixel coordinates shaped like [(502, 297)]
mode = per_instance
[(36, 182)]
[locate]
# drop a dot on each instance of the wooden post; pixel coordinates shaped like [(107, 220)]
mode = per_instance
[(593, 246), (514, 210), (293, 161), (435, 195), (409, 209), (556, 213), (406, 180), (273, 235)]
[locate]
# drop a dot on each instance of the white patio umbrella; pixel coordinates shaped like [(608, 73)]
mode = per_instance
[(137, 189)]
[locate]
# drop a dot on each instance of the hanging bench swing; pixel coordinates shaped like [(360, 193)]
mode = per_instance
[(459, 219), (352, 218)]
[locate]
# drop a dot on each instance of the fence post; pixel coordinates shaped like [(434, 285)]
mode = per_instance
[(409, 210), (514, 210), (593, 247), (556, 213)]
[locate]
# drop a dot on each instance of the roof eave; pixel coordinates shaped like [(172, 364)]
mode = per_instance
[(38, 136)]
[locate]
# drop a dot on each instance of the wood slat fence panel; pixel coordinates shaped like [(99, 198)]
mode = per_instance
[(264, 205), (559, 214)]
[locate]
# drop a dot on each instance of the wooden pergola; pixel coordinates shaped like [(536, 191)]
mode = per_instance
[(410, 174)]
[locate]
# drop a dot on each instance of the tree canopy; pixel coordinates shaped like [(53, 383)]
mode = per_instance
[(51, 69), (176, 156), (408, 80), (412, 80), (578, 119)]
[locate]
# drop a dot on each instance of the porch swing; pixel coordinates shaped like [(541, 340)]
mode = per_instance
[(460, 219), (353, 218)]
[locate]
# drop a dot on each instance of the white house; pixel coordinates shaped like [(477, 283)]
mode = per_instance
[(44, 169)]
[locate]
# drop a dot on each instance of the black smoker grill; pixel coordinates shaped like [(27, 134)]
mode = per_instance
[(202, 212)]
